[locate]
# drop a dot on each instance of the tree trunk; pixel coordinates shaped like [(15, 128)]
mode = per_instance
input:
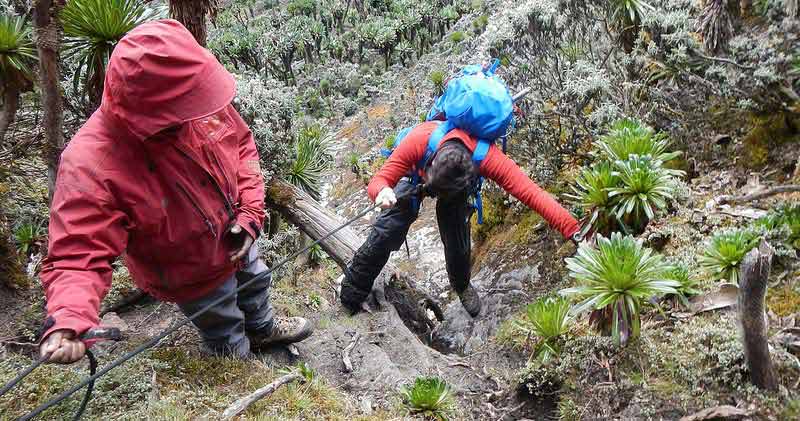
[(300, 209), (10, 105), (752, 289), (192, 14), (48, 43)]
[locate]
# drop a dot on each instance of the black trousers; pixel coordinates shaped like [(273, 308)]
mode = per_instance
[(388, 234)]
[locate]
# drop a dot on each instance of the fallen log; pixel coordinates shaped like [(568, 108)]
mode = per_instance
[(242, 404), (763, 194), (752, 290), (313, 219)]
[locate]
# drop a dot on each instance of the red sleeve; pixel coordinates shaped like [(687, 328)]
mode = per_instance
[(86, 234), (500, 168), (410, 151), (250, 183)]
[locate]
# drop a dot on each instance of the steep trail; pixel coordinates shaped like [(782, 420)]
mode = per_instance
[(508, 277)]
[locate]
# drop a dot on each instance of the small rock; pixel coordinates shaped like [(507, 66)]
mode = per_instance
[(112, 319)]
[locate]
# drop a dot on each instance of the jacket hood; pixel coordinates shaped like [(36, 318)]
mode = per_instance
[(159, 76)]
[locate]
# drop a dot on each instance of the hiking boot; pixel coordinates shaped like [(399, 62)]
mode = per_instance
[(285, 330), (471, 300)]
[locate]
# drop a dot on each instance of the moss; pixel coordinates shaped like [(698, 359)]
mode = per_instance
[(510, 336), (526, 228), (494, 213), (767, 131), (783, 301), (279, 194)]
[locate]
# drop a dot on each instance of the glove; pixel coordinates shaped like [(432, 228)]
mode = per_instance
[(386, 198)]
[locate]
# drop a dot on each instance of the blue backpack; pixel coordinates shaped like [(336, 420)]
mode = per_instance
[(476, 101)]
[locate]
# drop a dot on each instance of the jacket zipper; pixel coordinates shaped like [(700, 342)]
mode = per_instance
[(225, 199), (198, 209)]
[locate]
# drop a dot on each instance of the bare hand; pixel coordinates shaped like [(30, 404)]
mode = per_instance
[(246, 239), (386, 198), (62, 347)]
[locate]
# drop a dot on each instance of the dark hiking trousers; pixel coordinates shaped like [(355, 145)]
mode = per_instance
[(225, 326), (388, 234)]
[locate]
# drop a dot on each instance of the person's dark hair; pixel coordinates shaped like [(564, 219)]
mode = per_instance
[(451, 171)]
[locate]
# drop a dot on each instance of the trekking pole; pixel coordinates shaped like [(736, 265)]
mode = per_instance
[(153, 341)]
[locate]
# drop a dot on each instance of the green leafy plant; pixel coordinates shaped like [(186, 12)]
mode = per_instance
[(723, 254), (687, 284), (430, 397), (628, 137), (784, 217), (548, 318), (615, 277), (591, 193), (17, 59), (29, 235), (92, 29), (437, 77), (457, 36), (312, 160), (354, 163), (316, 254), (629, 11), (645, 186)]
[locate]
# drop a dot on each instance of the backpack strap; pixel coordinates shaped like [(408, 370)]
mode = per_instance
[(478, 155)]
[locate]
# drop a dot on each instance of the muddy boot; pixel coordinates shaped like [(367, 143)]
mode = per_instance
[(471, 300), (285, 330)]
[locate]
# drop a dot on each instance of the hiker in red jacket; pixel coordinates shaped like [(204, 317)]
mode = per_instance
[(166, 172), (450, 175)]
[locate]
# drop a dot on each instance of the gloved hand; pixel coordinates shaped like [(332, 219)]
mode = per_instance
[(240, 236), (62, 347), (386, 198)]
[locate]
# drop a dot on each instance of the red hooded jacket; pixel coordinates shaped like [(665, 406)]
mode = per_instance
[(496, 166), (160, 172)]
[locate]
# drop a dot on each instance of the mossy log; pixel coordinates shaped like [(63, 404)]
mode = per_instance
[(752, 290), (313, 219)]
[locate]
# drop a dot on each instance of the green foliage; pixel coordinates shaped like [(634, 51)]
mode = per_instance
[(479, 24), (548, 318), (27, 235), (17, 51), (631, 137), (316, 254), (429, 397), (457, 36), (785, 217), (312, 159), (723, 254), (92, 29), (591, 193), (687, 284), (628, 12), (614, 280), (644, 188), (302, 7), (437, 77), (325, 87), (625, 189)]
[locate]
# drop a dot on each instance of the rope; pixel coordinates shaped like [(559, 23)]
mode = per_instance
[(89, 381)]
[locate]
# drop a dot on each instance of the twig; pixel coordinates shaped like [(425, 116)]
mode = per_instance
[(791, 188), (724, 60), (243, 403), (28, 344), (348, 364)]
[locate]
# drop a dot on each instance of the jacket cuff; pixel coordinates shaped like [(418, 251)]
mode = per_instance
[(249, 225), (65, 320)]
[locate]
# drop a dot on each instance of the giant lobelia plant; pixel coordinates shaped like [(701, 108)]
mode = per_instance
[(615, 278)]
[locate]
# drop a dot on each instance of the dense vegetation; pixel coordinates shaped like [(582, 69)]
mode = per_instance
[(643, 114)]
